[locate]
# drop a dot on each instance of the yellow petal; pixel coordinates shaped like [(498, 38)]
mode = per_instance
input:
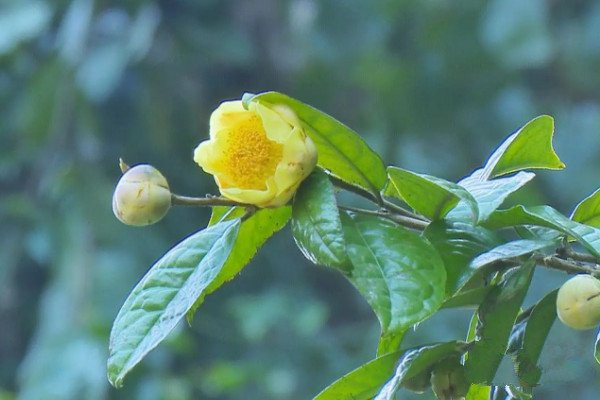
[(276, 127), (298, 161), (228, 113)]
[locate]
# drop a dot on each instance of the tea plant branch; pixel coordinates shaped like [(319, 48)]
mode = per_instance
[(569, 267), (577, 256), (405, 221), (565, 259), (355, 189), (208, 201), (380, 201)]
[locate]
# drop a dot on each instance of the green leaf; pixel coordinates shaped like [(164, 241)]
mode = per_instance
[(512, 249), (479, 392), (428, 195), (341, 150), (316, 223), (548, 217), (363, 382), (417, 360), (588, 211), (528, 337), (399, 273), (529, 147), (458, 243), (165, 294), (253, 234), (489, 194), (467, 298), (483, 264), (496, 316)]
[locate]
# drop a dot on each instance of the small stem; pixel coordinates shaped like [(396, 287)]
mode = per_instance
[(569, 253), (207, 201), (408, 222), (380, 201), (402, 211), (355, 189), (567, 266)]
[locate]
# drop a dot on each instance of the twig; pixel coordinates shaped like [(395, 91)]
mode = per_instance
[(380, 201), (402, 211), (207, 201), (574, 255), (567, 266), (356, 189), (408, 222)]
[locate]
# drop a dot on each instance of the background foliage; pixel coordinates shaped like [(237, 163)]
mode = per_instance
[(431, 85)]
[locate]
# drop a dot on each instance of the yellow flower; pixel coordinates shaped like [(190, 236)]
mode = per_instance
[(258, 156)]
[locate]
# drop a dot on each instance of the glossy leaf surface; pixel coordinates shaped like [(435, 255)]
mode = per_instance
[(428, 195), (399, 273), (252, 235), (165, 294), (316, 223)]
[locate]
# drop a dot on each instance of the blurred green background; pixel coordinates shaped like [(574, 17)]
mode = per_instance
[(433, 85)]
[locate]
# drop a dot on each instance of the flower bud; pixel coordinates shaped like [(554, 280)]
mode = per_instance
[(578, 302), (257, 155), (448, 380), (142, 196)]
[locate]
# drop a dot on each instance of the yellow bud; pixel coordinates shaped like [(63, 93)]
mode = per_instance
[(578, 302), (258, 156), (142, 196)]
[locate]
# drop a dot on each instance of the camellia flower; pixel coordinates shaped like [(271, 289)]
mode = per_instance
[(257, 155)]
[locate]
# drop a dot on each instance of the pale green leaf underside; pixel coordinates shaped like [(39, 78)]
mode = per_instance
[(483, 264), (458, 243), (428, 195), (252, 235), (340, 149), (529, 147), (489, 194), (546, 216), (509, 250), (165, 294), (588, 211), (316, 223), (399, 273)]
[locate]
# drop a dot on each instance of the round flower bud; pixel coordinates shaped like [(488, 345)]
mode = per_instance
[(448, 380), (257, 155), (578, 302), (142, 196)]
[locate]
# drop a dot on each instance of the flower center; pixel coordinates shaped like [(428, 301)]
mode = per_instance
[(249, 157)]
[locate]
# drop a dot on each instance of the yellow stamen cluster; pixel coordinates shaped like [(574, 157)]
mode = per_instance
[(248, 156)]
